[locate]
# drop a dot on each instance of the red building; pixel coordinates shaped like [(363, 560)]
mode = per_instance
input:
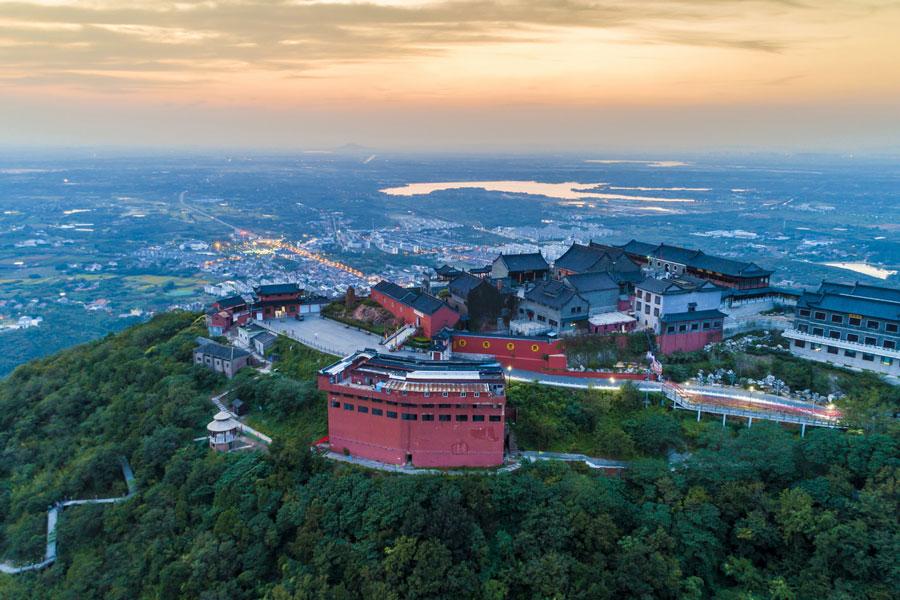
[(689, 332), (277, 301), (415, 307), (408, 411), (226, 313)]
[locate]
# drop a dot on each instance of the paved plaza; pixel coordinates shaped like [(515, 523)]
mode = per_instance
[(326, 335)]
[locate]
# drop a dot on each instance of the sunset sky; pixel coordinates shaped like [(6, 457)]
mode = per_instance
[(445, 74)]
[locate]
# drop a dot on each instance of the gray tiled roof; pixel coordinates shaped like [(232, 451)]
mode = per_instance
[(277, 288), (675, 285), (580, 258), (231, 301), (465, 283), (217, 350), (727, 266), (392, 290), (868, 301), (446, 270), (675, 254), (265, 338), (596, 257), (862, 290), (533, 261), (413, 297), (697, 315), (585, 283), (427, 303), (553, 294), (640, 248), (696, 259)]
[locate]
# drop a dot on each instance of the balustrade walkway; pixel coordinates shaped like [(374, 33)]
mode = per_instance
[(708, 399)]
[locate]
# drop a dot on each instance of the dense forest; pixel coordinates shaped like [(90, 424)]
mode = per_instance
[(743, 513)]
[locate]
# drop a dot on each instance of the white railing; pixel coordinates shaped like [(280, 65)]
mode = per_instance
[(683, 401), (399, 337), (794, 334)]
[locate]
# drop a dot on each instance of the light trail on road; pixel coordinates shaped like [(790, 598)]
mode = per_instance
[(279, 244)]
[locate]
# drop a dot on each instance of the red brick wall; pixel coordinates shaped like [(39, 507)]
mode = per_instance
[(430, 324), (441, 318), (689, 341)]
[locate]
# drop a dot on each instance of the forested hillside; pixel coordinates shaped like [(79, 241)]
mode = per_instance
[(752, 513)]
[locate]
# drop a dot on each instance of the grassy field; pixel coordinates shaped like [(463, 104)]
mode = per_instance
[(309, 424), (286, 403)]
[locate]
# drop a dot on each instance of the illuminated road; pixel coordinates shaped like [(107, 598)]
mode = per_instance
[(277, 244)]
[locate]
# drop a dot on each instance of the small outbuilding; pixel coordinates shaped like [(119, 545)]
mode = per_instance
[(611, 322), (222, 359), (239, 408), (223, 432), (264, 342)]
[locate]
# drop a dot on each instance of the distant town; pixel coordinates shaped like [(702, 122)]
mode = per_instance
[(84, 255)]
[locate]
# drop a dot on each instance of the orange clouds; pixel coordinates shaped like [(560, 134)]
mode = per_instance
[(453, 54)]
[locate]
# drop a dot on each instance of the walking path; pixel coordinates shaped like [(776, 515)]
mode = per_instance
[(217, 401), (53, 514), (713, 399), (532, 456), (591, 461), (409, 470)]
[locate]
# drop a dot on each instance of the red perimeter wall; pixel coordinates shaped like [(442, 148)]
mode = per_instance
[(528, 354), (540, 356)]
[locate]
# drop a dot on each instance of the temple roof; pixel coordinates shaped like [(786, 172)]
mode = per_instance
[(278, 288), (552, 294), (413, 297), (696, 259), (533, 261), (217, 350), (465, 283)]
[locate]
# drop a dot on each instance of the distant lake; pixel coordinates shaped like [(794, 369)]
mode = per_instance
[(864, 268), (569, 190)]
